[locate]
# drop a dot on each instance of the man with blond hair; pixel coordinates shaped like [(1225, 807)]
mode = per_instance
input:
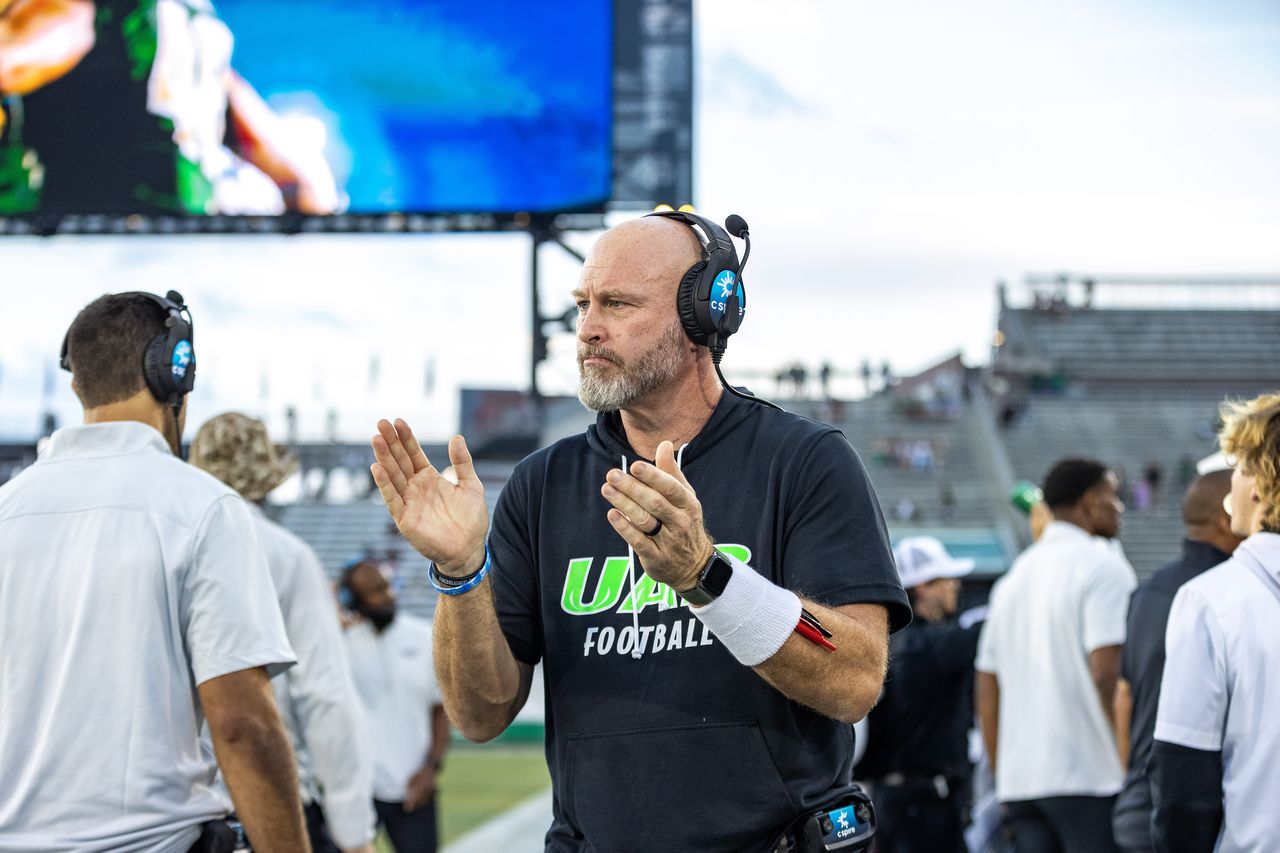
[(1215, 778)]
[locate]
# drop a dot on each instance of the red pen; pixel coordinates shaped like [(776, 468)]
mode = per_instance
[(813, 635)]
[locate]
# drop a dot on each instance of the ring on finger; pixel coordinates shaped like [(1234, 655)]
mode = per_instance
[(657, 527)]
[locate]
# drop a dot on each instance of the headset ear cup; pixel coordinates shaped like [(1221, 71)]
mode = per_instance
[(686, 307), (153, 366)]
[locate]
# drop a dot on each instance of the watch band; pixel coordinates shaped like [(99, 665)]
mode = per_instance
[(711, 581)]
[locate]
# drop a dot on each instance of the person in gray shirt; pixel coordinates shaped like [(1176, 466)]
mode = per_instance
[(135, 604), (317, 698)]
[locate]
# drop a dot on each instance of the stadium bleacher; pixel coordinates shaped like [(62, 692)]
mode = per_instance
[(1132, 388), (955, 496), (1155, 348)]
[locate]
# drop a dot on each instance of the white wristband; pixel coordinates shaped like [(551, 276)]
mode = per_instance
[(754, 617)]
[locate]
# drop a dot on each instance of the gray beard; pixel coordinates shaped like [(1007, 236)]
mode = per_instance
[(601, 392)]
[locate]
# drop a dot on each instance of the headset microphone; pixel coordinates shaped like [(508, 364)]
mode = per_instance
[(737, 226)]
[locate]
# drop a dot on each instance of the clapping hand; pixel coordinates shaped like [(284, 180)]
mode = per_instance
[(658, 513), (443, 521)]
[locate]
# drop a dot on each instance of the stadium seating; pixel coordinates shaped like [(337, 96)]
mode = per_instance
[(1106, 346), (1129, 387)]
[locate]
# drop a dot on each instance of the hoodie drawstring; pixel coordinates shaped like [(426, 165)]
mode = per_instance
[(631, 570)]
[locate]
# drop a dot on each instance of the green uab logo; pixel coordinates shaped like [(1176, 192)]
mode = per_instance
[(610, 586)]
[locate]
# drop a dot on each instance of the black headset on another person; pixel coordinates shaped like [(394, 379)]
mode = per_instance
[(711, 299), (169, 361), (348, 599)]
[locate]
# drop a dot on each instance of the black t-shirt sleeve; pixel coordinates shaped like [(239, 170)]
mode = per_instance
[(836, 549), (514, 572)]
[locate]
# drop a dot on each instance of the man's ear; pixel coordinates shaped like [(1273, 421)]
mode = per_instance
[(1091, 501), (1222, 524)]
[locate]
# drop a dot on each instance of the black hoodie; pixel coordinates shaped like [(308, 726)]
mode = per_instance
[(683, 748)]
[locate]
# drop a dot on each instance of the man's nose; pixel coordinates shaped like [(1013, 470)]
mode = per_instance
[(590, 329)]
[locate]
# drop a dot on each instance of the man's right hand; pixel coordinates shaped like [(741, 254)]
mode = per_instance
[(444, 522)]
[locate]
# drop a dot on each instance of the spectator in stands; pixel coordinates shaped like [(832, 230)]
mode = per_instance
[(1186, 470), (917, 752), (395, 677), (135, 602), (1215, 780), (1140, 496), (712, 721), (1153, 474), (947, 500), (824, 378), (317, 698), (1047, 666), (920, 455), (1208, 541)]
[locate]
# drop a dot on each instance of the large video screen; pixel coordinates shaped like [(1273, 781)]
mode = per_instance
[(264, 107)]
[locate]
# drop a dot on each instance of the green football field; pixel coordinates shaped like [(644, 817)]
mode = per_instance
[(480, 782)]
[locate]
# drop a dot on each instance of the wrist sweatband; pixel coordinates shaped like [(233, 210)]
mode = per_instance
[(457, 586), (754, 617)]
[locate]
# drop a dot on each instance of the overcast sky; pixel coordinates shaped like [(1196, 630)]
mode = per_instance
[(893, 159)]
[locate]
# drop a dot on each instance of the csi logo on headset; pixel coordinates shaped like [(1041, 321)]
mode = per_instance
[(722, 290), (181, 359)]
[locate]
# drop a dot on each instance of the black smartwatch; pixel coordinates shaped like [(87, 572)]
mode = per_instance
[(711, 582)]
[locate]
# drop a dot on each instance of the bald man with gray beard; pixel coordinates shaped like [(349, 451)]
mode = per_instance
[(1208, 541)]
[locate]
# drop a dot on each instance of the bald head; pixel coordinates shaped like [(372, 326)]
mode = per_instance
[(1202, 505), (651, 248)]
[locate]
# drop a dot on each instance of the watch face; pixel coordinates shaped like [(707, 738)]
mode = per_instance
[(712, 582), (716, 577)]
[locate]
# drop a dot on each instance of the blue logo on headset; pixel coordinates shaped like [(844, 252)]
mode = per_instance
[(182, 355), (843, 823), (725, 285)]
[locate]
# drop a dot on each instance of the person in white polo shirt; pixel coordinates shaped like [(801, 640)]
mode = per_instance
[(317, 698), (135, 602), (1215, 764), (1048, 663), (396, 680)]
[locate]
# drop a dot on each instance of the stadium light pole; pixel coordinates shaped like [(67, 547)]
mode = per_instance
[(540, 232)]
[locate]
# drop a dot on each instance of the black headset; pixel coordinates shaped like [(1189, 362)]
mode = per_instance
[(711, 300), (169, 361)]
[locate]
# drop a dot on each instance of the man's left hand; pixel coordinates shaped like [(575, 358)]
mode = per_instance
[(658, 500), (422, 787)]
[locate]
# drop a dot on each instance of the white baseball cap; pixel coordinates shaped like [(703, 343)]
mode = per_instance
[(922, 559)]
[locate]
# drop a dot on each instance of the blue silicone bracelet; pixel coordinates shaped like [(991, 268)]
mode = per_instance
[(471, 583)]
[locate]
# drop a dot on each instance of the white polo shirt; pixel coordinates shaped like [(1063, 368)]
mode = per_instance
[(317, 698), (1064, 597), (396, 679), (1221, 686), (127, 578)]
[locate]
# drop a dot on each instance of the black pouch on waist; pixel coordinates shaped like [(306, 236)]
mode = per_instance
[(216, 836), (848, 826)]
